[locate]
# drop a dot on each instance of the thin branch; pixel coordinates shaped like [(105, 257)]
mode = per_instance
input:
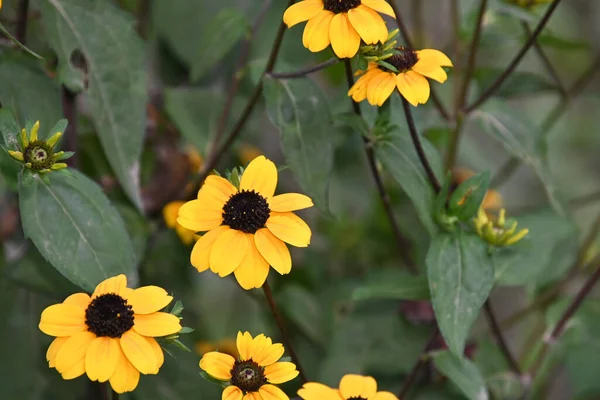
[(70, 112), (419, 364), (301, 73), (497, 332), (22, 16), (515, 62), (283, 330)]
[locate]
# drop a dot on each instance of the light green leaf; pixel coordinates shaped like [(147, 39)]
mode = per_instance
[(74, 226), (469, 195), (304, 310), (9, 129), (461, 277), (463, 373), (393, 285), (217, 38), (300, 111), (116, 70)]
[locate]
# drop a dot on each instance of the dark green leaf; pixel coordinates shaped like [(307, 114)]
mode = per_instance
[(393, 285), (353, 121), (74, 226), (517, 84), (463, 373), (19, 44), (10, 129), (461, 277), (468, 196), (550, 40), (304, 310)]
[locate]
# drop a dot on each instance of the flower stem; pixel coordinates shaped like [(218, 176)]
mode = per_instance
[(420, 362), (497, 332), (286, 339), (22, 14), (301, 73), (70, 112)]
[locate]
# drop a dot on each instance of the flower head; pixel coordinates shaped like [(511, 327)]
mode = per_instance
[(341, 23), (247, 227), (225, 345), (352, 387), (110, 336), (39, 155), (410, 70), (495, 232), (170, 213), (255, 373)]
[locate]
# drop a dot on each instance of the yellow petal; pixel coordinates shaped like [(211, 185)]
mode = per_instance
[(302, 11), (125, 377), (62, 320), (139, 352), (245, 345), (260, 176), (380, 6), (316, 32), (266, 353), (114, 285), (195, 216), (434, 72), (81, 300), (148, 299), (75, 371), (101, 358), (34, 131), (281, 372), (369, 25), (218, 365), (385, 396), (232, 393), (289, 202), (253, 270), (158, 352), (73, 350), (318, 391), (201, 251), (254, 396), (290, 228), (53, 350), (419, 84), (359, 90), (358, 386), (228, 251), (213, 196), (221, 184), (273, 250), (344, 38), (406, 89), (270, 392), (170, 213), (432, 56), (156, 324), (380, 88)]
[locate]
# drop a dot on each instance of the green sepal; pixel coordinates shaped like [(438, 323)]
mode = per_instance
[(471, 192), (388, 66), (440, 212), (66, 155)]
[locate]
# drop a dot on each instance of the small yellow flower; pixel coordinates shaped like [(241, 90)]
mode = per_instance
[(377, 83), (492, 199), (170, 213), (110, 336), (255, 373), (341, 23), (225, 345), (495, 232), (351, 387), (247, 227), (39, 155)]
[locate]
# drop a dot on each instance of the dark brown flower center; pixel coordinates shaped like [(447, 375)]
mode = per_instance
[(356, 398), (403, 61), (246, 211), (340, 6), (109, 315), (248, 376), (39, 155)]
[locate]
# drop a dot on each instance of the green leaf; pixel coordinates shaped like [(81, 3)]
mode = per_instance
[(218, 37), (461, 277), (400, 158), (463, 373), (116, 71), (517, 84), (19, 44), (469, 195), (393, 285), (74, 226), (298, 108), (10, 129), (304, 310), (550, 40), (521, 139)]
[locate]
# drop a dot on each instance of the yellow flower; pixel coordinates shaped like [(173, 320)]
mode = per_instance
[(351, 387), (377, 83), (110, 335), (341, 23), (495, 231), (253, 375), (226, 345), (170, 213), (39, 155), (246, 228), (492, 199)]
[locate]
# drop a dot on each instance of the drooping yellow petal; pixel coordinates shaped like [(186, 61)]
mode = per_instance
[(289, 202), (114, 285), (369, 25), (434, 57), (53, 350), (433, 71), (290, 228), (222, 185), (273, 250), (245, 345), (406, 89), (101, 358), (218, 365), (81, 300), (385, 396), (158, 352), (156, 324), (345, 41), (139, 352), (419, 84), (359, 90), (380, 88), (253, 270), (201, 251), (358, 386), (271, 392), (148, 299), (318, 391), (232, 393), (381, 6), (316, 32), (73, 350), (228, 251), (171, 212), (302, 11), (260, 176), (281, 372), (62, 320), (194, 216), (126, 377)]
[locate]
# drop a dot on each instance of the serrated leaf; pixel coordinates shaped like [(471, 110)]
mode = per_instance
[(116, 72), (393, 285), (463, 373), (461, 277), (468, 196), (298, 108), (74, 226)]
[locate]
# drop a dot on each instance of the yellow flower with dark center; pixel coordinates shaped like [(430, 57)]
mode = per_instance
[(492, 199), (352, 387), (495, 231), (39, 155), (226, 346), (110, 336), (170, 214), (255, 373), (377, 83), (341, 23), (247, 227)]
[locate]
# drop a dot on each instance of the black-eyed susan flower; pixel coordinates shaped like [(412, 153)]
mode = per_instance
[(411, 68), (255, 373), (247, 227), (225, 345), (39, 155), (110, 336), (170, 214), (492, 199), (495, 230), (352, 387), (341, 23)]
